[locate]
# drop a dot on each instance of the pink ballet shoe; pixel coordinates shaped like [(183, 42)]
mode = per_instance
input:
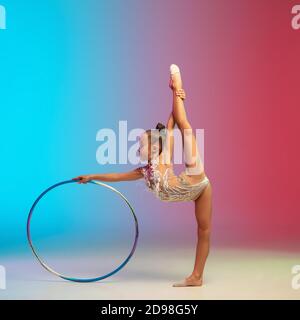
[(175, 77), (174, 69)]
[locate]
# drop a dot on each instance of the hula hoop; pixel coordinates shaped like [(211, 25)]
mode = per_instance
[(73, 278)]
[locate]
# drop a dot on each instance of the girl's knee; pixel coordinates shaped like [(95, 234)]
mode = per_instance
[(204, 231)]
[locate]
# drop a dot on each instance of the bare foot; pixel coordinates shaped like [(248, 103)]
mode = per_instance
[(175, 78), (191, 281)]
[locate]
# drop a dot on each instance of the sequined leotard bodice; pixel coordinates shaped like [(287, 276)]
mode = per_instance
[(167, 186)]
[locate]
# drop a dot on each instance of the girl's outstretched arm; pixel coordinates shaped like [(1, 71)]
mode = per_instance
[(171, 122), (170, 138), (179, 113), (111, 177), (170, 129)]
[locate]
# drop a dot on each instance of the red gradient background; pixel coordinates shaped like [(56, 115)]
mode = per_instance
[(240, 64)]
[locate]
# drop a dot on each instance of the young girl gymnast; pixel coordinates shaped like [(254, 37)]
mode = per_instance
[(156, 147)]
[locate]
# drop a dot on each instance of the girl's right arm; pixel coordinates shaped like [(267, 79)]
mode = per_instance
[(111, 177)]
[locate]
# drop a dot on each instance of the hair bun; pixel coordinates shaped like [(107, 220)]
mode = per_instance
[(160, 126)]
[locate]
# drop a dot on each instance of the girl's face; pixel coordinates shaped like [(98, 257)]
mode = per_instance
[(144, 149)]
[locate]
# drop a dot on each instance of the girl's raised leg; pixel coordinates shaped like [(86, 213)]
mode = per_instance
[(191, 153)]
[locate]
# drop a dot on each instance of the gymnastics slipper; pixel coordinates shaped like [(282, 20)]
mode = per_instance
[(174, 69), (187, 283)]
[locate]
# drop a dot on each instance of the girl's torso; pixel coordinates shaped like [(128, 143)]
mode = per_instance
[(162, 180)]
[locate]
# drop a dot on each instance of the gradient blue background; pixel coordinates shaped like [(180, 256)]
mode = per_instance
[(68, 69), (60, 65)]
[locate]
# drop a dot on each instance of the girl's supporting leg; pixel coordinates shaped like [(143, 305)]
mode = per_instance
[(203, 212)]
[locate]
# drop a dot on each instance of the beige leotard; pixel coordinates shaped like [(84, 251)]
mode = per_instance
[(167, 186)]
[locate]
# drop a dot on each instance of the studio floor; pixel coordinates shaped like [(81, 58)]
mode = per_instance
[(229, 274)]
